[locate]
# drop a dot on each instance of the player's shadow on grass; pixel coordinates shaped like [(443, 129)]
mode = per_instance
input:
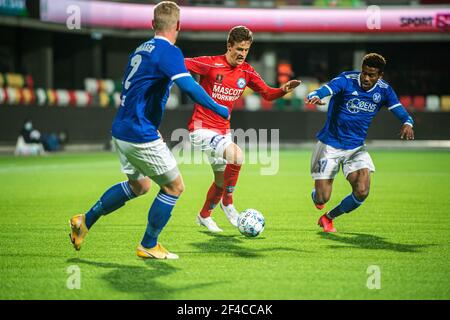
[(371, 242), (146, 281), (231, 244)]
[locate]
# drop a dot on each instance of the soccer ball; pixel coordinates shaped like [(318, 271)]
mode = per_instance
[(251, 222)]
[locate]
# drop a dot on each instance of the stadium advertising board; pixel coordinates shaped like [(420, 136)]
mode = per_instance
[(13, 7), (368, 20)]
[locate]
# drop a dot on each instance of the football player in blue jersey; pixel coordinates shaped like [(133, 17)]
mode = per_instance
[(152, 69), (356, 97)]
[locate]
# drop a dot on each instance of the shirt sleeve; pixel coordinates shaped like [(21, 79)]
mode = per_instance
[(394, 106), (199, 65), (333, 87), (336, 85), (257, 84), (391, 99), (171, 63)]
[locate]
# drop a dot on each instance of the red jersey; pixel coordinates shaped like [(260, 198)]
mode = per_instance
[(225, 84)]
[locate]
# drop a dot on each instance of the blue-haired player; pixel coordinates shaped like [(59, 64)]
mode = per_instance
[(151, 71), (356, 99)]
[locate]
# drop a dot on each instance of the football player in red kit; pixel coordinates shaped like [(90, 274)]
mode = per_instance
[(224, 78)]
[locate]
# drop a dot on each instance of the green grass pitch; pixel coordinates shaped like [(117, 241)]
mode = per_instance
[(402, 229)]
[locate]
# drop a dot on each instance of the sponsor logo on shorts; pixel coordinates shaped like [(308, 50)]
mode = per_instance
[(215, 141)]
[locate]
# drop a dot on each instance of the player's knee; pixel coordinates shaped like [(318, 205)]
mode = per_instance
[(143, 190), (361, 193), (140, 188), (233, 154), (238, 156), (176, 188)]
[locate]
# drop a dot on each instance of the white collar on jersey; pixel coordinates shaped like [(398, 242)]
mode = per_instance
[(359, 83), (162, 38)]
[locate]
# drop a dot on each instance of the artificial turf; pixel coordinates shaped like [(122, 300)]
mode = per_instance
[(401, 229)]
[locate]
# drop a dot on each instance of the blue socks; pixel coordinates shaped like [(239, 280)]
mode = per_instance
[(349, 203), (158, 216), (114, 198)]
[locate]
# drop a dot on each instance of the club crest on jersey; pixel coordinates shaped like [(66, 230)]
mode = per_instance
[(241, 83), (376, 97), (219, 78)]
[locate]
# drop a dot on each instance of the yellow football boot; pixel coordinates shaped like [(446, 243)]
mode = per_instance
[(157, 252), (78, 230)]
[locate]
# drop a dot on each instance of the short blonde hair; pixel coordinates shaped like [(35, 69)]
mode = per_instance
[(166, 14)]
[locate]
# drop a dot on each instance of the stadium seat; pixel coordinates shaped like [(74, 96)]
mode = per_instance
[(433, 103), (13, 95), (16, 80), (95, 86), (52, 98), (419, 103), (406, 101), (3, 96), (41, 96), (63, 98), (445, 103)]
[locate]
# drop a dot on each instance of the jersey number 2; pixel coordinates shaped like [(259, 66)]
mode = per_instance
[(135, 63)]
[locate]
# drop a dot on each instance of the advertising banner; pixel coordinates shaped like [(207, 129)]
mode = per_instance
[(372, 19)]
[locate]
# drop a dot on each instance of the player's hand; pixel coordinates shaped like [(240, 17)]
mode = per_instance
[(406, 132), (290, 85), (315, 100)]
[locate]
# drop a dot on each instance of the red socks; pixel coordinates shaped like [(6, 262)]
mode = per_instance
[(230, 177), (212, 199), (215, 193)]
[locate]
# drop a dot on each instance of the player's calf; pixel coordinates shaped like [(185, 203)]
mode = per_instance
[(318, 202), (348, 204)]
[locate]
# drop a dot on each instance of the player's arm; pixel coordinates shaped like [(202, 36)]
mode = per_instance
[(198, 65), (172, 65), (257, 84), (331, 88), (199, 95), (394, 106)]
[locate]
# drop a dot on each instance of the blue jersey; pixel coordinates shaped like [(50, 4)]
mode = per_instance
[(351, 109), (151, 69)]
